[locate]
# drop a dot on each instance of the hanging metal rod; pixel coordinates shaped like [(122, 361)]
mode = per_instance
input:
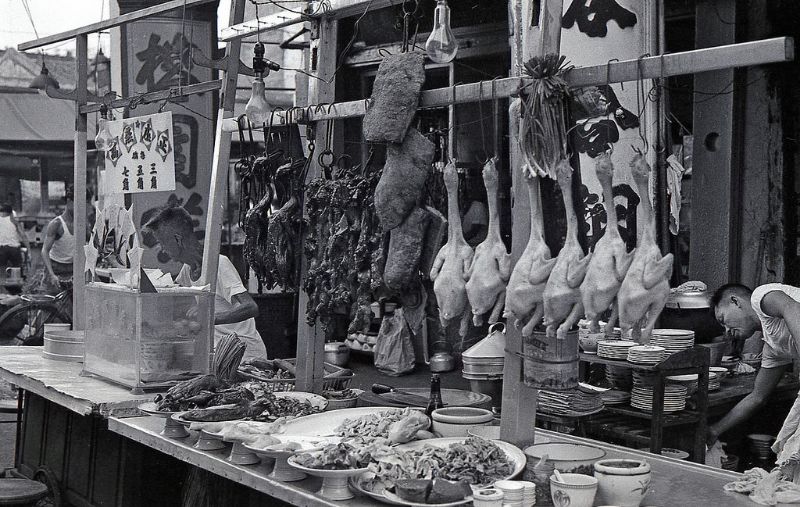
[(335, 9), (111, 23), (779, 49), (150, 97)]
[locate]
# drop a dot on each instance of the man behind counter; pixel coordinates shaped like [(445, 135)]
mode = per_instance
[(773, 309), (234, 308)]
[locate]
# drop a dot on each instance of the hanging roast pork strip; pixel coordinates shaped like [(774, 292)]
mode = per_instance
[(403, 180), (395, 96)]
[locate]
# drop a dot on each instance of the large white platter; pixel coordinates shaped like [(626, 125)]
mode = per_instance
[(324, 424)]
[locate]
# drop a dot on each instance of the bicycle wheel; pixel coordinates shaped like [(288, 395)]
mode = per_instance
[(24, 324)]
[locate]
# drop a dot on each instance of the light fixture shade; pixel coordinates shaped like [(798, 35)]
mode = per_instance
[(258, 109), (103, 137), (441, 45), (43, 80)]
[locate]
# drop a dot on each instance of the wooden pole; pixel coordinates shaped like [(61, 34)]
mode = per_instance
[(311, 339), (79, 214), (519, 400), (222, 152)]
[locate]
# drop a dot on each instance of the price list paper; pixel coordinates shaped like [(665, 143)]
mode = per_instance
[(140, 157)]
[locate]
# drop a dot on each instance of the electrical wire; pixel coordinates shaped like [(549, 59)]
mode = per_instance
[(30, 17)]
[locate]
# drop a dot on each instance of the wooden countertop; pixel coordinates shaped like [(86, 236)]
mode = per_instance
[(675, 482), (61, 382)]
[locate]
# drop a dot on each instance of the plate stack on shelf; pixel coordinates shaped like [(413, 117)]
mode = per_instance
[(614, 349), (644, 378), (689, 381), (646, 354), (673, 340), (674, 398), (615, 397), (571, 403), (761, 445), (619, 377), (714, 381)]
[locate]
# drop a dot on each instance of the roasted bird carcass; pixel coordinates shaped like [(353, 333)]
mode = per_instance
[(562, 296), (490, 269), (525, 290), (645, 289), (610, 260), (453, 260)]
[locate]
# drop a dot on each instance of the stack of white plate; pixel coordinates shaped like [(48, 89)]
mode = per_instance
[(689, 381), (619, 377), (673, 340), (674, 398), (714, 381), (614, 349), (646, 354), (644, 378), (615, 397)]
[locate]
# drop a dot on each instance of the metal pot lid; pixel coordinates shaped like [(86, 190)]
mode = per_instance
[(689, 296), (493, 346)]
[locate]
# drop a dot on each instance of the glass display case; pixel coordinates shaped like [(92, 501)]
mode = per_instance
[(147, 340)]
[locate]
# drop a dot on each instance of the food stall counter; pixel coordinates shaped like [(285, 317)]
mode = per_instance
[(675, 482)]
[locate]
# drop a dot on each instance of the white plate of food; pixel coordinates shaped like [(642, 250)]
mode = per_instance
[(326, 423)]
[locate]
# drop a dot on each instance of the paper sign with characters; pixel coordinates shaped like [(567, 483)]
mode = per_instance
[(140, 156)]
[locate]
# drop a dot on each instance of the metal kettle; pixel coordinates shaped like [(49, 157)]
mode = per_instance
[(442, 362)]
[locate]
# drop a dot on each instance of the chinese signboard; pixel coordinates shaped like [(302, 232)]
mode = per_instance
[(140, 157)]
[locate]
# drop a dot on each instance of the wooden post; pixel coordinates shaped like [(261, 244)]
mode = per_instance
[(44, 191), (311, 339), (222, 152), (79, 214), (519, 401)]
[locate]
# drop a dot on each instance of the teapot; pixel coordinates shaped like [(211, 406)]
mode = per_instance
[(442, 362), (13, 273)]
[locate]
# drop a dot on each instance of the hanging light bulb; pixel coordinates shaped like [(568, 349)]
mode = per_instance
[(103, 137), (442, 45), (258, 109)]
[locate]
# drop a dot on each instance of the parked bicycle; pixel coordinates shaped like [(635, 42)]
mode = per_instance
[(23, 324)]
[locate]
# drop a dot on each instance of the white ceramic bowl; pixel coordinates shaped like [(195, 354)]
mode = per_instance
[(576, 490), (622, 482), (457, 421), (566, 457)]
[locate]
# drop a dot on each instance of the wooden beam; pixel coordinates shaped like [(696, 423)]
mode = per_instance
[(79, 182), (220, 165), (147, 98), (311, 339), (111, 23), (776, 50), (332, 9)]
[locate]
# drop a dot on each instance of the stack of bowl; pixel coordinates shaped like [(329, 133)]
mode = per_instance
[(483, 364), (689, 380), (761, 445), (458, 421)]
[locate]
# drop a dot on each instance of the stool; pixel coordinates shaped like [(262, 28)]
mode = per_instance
[(21, 492)]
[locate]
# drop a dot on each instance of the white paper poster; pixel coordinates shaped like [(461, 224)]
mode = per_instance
[(140, 157)]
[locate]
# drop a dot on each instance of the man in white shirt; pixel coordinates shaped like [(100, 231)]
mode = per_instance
[(773, 309), (234, 308)]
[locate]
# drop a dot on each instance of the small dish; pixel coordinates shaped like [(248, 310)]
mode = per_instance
[(334, 482), (172, 428)]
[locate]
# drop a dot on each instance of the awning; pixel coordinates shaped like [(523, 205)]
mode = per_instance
[(30, 116)]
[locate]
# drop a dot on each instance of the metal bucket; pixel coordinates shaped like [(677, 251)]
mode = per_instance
[(550, 363)]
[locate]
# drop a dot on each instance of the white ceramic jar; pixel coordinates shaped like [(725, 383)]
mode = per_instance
[(622, 482), (487, 498)]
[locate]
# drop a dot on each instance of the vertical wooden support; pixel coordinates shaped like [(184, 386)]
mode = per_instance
[(79, 215), (222, 152), (311, 339), (44, 191), (716, 168), (519, 401)]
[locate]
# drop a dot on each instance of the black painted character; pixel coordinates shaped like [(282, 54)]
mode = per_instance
[(113, 153), (625, 119), (128, 135), (163, 144), (593, 16), (595, 137), (594, 217), (168, 61), (626, 213), (146, 133)]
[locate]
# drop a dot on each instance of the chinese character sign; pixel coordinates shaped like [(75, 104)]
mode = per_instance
[(140, 156)]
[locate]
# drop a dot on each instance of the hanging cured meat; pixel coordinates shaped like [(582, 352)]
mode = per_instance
[(395, 96), (610, 260), (405, 250), (645, 289), (526, 285), (449, 272), (562, 296), (403, 181), (491, 265)]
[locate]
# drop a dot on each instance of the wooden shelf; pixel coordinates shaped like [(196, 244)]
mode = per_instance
[(669, 419)]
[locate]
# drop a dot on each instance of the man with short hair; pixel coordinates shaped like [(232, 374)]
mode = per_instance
[(234, 308), (773, 309), (58, 247), (12, 236)]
